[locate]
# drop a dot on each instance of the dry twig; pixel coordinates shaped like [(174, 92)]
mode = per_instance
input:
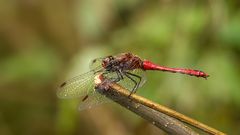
[(158, 115)]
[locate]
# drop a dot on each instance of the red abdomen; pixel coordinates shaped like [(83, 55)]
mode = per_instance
[(148, 65)]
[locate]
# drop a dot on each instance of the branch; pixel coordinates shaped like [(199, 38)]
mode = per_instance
[(159, 119), (158, 115)]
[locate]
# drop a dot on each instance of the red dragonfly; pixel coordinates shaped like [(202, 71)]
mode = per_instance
[(126, 69)]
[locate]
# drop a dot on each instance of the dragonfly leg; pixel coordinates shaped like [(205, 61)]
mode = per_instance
[(140, 79), (119, 76), (115, 79), (135, 82)]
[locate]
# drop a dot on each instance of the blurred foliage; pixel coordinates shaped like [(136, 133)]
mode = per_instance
[(44, 42)]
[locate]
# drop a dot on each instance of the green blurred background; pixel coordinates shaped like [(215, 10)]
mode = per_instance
[(44, 42)]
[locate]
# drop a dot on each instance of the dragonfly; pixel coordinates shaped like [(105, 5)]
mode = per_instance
[(125, 69)]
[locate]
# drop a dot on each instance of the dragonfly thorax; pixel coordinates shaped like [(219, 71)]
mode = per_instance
[(123, 62)]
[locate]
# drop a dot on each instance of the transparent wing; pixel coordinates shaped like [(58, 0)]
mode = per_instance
[(92, 100), (95, 98), (78, 86), (82, 87)]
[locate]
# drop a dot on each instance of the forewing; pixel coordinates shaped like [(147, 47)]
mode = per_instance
[(78, 86), (82, 87)]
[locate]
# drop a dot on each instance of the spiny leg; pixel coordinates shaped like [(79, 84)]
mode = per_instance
[(140, 79), (120, 74), (135, 82), (114, 79)]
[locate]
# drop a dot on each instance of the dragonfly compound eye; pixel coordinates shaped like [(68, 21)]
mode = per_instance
[(105, 62)]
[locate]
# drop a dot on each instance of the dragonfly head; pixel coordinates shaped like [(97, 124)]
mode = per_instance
[(106, 61)]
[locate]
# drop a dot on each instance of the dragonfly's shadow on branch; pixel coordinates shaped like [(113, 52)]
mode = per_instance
[(160, 120)]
